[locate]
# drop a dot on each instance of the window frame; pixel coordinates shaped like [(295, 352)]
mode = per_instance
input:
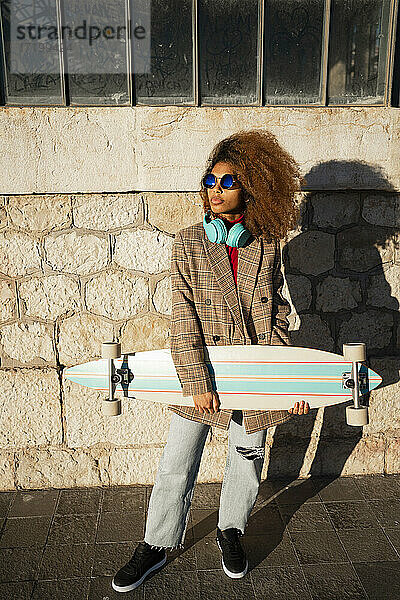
[(392, 67)]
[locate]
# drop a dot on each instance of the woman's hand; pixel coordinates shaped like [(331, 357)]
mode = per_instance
[(207, 403), (300, 408)]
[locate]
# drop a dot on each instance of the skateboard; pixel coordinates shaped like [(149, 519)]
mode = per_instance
[(252, 377)]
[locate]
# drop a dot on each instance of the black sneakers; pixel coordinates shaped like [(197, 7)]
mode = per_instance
[(234, 561), (144, 561)]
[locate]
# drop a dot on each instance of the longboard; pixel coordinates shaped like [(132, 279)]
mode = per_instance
[(253, 377)]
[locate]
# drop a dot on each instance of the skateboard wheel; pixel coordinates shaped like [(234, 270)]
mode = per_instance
[(111, 408), (357, 416), (354, 352), (110, 350)]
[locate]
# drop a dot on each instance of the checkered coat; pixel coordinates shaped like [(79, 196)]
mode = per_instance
[(208, 309)]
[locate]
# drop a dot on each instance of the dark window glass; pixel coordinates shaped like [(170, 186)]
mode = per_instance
[(30, 37), (358, 51), (244, 52), (96, 51), (293, 51), (228, 42), (170, 77)]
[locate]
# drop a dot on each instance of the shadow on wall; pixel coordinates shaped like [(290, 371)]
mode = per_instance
[(340, 269)]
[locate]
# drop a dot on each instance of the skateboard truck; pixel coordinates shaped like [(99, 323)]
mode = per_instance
[(356, 414), (110, 350)]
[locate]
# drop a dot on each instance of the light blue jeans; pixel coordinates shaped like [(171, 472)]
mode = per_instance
[(170, 500)]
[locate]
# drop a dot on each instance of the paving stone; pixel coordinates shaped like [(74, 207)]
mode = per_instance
[(280, 583), (300, 491), (34, 503), (367, 545), (381, 580), (308, 517), (208, 554), (351, 515), (6, 500), (67, 589), (269, 488), (387, 512), (378, 486), (120, 499), (18, 564), (109, 557), (67, 560), (334, 582), (394, 537), (181, 560), (357, 506), (25, 531), (204, 522), (173, 586), (100, 589), (341, 489), (206, 495), (216, 585), (314, 547), (273, 549), (73, 529), (265, 519), (16, 591), (76, 502), (121, 527)]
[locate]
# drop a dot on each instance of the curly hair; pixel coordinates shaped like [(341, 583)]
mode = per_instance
[(269, 177)]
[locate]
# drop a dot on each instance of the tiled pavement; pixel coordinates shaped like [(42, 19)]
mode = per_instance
[(306, 539)]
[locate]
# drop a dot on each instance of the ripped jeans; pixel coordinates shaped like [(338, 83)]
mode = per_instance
[(171, 497)]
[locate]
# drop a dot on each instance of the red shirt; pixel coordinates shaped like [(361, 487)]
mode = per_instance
[(233, 252)]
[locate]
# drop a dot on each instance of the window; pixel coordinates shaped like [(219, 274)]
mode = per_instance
[(199, 52)]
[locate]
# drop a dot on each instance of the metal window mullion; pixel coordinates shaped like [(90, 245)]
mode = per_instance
[(383, 60), (325, 53), (260, 52), (63, 59), (390, 51), (3, 67), (129, 54), (195, 55)]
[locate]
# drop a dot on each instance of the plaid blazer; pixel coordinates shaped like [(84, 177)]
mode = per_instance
[(208, 309)]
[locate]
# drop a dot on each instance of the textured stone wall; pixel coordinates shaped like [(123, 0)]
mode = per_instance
[(107, 149), (77, 270)]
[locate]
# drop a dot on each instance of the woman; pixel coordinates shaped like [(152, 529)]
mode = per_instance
[(226, 289)]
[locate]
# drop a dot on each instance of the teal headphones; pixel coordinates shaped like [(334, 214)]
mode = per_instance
[(216, 231)]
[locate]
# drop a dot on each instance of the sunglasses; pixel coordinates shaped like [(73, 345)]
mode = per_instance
[(227, 181)]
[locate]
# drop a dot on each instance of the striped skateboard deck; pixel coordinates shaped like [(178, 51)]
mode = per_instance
[(253, 377)]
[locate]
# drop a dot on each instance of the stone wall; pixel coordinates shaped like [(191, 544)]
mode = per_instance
[(77, 270)]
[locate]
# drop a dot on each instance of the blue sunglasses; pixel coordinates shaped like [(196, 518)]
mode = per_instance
[(226, 181)]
